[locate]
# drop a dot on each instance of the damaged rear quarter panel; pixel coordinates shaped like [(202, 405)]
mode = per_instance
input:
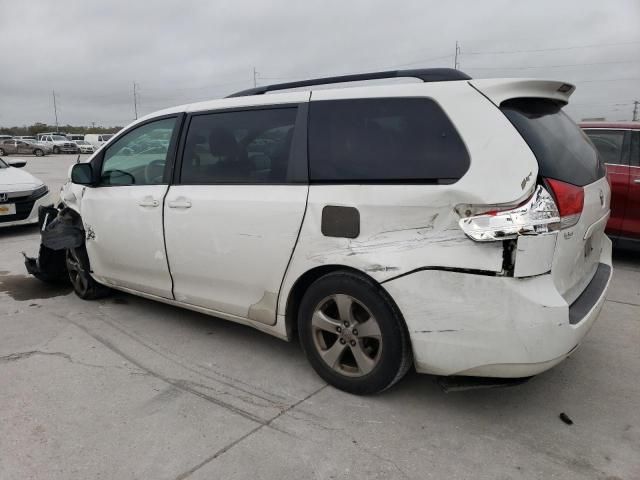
[(405, 227), (401, 229)]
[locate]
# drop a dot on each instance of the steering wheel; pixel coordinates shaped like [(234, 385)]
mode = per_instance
[(154, 171)]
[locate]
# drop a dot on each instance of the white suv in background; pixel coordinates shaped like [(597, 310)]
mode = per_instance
[(456, 225)]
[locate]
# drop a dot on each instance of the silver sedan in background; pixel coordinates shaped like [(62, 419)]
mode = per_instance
[(24, 147)]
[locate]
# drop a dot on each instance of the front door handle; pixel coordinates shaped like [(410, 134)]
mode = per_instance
[(148, 202), (637, 180), (180, 203)]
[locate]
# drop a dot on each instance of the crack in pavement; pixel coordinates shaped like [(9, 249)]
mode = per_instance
[(14, 357), (177, 383), (623, 303), (118, 326), (228, 447)]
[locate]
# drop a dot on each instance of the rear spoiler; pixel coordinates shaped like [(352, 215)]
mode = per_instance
[(499, 90)]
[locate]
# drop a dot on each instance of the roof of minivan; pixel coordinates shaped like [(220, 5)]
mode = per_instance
[(496, 89), (612, 125)]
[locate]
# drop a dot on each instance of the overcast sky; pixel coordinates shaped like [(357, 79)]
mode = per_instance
[(182, 51)]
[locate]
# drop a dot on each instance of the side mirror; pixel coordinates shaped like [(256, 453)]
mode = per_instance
[(82, 174), (17, 163)]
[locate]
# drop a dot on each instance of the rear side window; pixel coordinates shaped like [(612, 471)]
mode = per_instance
[(384, 140), (563, 150), (611, 145), (252, 146)]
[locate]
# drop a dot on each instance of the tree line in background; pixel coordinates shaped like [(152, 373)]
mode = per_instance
[(38, 127)]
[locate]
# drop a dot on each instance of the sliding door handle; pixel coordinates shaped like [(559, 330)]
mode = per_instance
[(179, 204), (147, 202)]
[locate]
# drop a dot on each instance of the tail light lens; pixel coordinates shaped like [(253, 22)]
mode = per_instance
[(570, 201), (541, 213)]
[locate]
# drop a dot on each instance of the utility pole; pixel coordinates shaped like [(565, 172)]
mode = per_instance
[(255, 78), (135, 100), (55, 109), (635, 110), (456, 64)]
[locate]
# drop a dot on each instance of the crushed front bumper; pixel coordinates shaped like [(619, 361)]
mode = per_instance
[(60, 230)]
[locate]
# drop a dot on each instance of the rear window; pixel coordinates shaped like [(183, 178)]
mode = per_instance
[(563, 150), (384, 140)]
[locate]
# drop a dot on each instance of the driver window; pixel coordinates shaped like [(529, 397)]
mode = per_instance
[(139, 157)]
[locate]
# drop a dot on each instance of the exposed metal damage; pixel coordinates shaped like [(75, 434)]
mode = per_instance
[(60, 229)]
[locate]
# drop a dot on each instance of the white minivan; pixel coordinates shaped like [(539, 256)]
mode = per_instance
[(454, 225)]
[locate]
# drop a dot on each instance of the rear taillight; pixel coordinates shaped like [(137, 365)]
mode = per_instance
[(543, 212), (539, 214), (569, 199)]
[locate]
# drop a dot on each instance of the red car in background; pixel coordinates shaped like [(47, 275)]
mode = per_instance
[(619, 148)]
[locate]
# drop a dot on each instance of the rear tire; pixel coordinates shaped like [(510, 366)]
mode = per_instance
[(77, 262), (353, 334), (38, 153)]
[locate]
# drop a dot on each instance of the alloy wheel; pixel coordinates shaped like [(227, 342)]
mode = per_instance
[(346, 335), (77, 274)]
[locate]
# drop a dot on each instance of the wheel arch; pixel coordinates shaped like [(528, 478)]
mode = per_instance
[(304, 281)]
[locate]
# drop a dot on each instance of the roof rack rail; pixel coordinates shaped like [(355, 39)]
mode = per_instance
[(424, 74)]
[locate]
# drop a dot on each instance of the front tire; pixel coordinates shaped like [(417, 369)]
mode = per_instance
[(353, 334), (56, 150), (38, 153), (84, 285), (2, 152)]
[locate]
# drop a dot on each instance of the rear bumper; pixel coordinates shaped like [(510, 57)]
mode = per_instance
[(465, 324)]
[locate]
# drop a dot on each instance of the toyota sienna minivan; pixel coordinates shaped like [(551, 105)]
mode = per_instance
[(450, 224)]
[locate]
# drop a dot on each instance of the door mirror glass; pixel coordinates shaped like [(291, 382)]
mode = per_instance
[(82, 174), (17, 163)]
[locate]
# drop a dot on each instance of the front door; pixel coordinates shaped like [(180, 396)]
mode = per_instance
[(233, 218), (123, 214)]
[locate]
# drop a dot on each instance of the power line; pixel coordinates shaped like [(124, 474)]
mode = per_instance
[(608, 80), (500, 52), (553, 66)]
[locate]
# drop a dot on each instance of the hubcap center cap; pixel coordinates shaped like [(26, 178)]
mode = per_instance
[(347, 335)]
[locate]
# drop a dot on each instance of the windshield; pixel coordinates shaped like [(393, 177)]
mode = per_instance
[(562, 149), (58, 138)]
